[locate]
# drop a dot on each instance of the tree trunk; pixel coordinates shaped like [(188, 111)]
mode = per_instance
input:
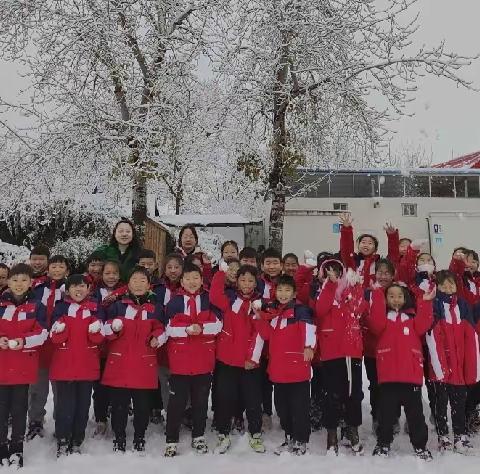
[(139, 199), (277, 215)]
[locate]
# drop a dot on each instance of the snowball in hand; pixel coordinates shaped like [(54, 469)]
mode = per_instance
[(94, 327), (12, 343), (117, 325)]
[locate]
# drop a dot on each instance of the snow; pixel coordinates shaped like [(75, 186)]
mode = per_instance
[(202, 219), (10, 254)]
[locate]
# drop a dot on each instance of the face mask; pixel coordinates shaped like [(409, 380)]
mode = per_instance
[(426, 267)]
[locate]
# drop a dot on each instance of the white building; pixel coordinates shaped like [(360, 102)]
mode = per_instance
[(439, 204)]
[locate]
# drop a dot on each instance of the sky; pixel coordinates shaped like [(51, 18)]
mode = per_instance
[(445, 118)]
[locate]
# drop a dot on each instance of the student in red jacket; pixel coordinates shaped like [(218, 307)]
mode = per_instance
[(290, 331), (191, 328), (39, 257), (464, 264), (94, 264), (454, 361), (22, 331), (248, 256), (134, 332), (290, 264), (400, 329), (239, 348), (338, 310), (76, 334)]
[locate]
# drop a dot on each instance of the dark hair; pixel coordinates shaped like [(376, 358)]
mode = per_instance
[(363, 236), (230, 243), (183, 229), (290, 255), (21, 269), (116, 263), (147, 253), (469, 253), (59, 259), (76, 279), (475, 255), (244, 269), (425, 253), (189, 259), (286, 280), (322, 257), (334, 265), (271, 253), (190, 267), (174, 256), (386, 263), (462, 249), (406, 295), (40, 250), (95, 257), (5, 267), (403, 239), (248, 252), (444, 275), (232, 260), (139, 269), (135, 243)]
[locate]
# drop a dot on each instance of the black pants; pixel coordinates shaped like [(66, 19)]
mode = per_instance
[(457, 396), (344, 397), (390, 396), (473, 399), (231, 384), (318, 397), (14, 402), (181, 387), (120, 399), (428, 383), (73, 405), (157, 403), (267, 388), (371, 370), (292, 402), (101, 398)]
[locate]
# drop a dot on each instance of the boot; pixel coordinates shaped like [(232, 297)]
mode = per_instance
[(332, 442), (353, 438)]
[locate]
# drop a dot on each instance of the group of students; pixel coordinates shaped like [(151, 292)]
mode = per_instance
[(252, 325)]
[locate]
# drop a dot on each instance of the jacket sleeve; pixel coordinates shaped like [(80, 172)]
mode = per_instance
[(424, 317), (97, 337), (212, 326), (407, 267), (458, 267), (377, 321), (112, 313), (303, 280), (158, 331), (174, 326), (207, 273), (256, 345), (393, 247), (60, 338), (217, 292), (325, 300), (347, 250), (35, 337)]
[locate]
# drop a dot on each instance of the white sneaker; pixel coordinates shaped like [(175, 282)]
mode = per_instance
[(223, 444), (170, 450), (462, 445), (285, 447)]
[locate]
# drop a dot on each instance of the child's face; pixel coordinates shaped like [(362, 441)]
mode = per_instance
[(197, 262), (57, 271), (290, 266), (95, 268), (395, 298), (229, 252), (284, 294), (448, 287), (149, 263), (173, 270), (3, 277), (403, 246), (366, 246), (246, 284), (249, 261), (138, 284), (471, 263), (272, 266), (383, 276), (111, 275), (424, 259), (19, 284), (124, 233), (188, 241), (192, 282), (78, 292), (232, 272), (39, 263)]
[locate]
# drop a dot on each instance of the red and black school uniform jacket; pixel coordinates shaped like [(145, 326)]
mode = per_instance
[(453, 342), (304, 279), (24, 319), (393, 242), (191, 355), (289, 329), (468, 284), (364, 266), (399, 345), (166, 290), (266, 287), (369, 338), (338, 321), (239, 340), (39, 279), (131, 362), (106, 296), (76, 353)]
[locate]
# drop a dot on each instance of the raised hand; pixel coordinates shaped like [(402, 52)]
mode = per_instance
[(389, 228), (430, 295), (346, 219)]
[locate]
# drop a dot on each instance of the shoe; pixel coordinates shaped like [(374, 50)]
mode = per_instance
[(4, 455), (200, 445), (63, 448), (332, 442), (139, 445), (285, 447), (170, 450), (396, 428), (119, 445), (16, 455), (76, 449), (223, 444), (423, 454), (444, 444), (100, 429), (381, 451), (35, 428), (266, 422), (299, 449), (351, 434), (156, 417), (238, 426), (462, 445), (256, 443)]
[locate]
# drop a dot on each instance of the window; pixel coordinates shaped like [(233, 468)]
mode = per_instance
[(391, 186), (417, 186), (364, 185), (442, 186), (409, 210), (340, 206), (342, 186)]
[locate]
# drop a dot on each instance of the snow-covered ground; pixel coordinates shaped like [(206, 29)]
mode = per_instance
[(98, 456)]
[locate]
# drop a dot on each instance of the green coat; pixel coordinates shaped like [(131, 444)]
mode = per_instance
[(127, 261)]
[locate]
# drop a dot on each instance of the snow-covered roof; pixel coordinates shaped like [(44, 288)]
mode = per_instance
[(471, 161), (203, 220)]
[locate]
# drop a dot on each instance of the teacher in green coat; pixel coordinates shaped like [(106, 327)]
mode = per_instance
[(124, 247)]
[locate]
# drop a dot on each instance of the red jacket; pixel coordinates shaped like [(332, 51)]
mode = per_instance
[(399, 347), (76, 353), (289, 330), (191, 355), (338, 317), (266, 287), (239, 340), (468, 284), (303, 280), (453, 342), (131, 362), (21, 320)]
